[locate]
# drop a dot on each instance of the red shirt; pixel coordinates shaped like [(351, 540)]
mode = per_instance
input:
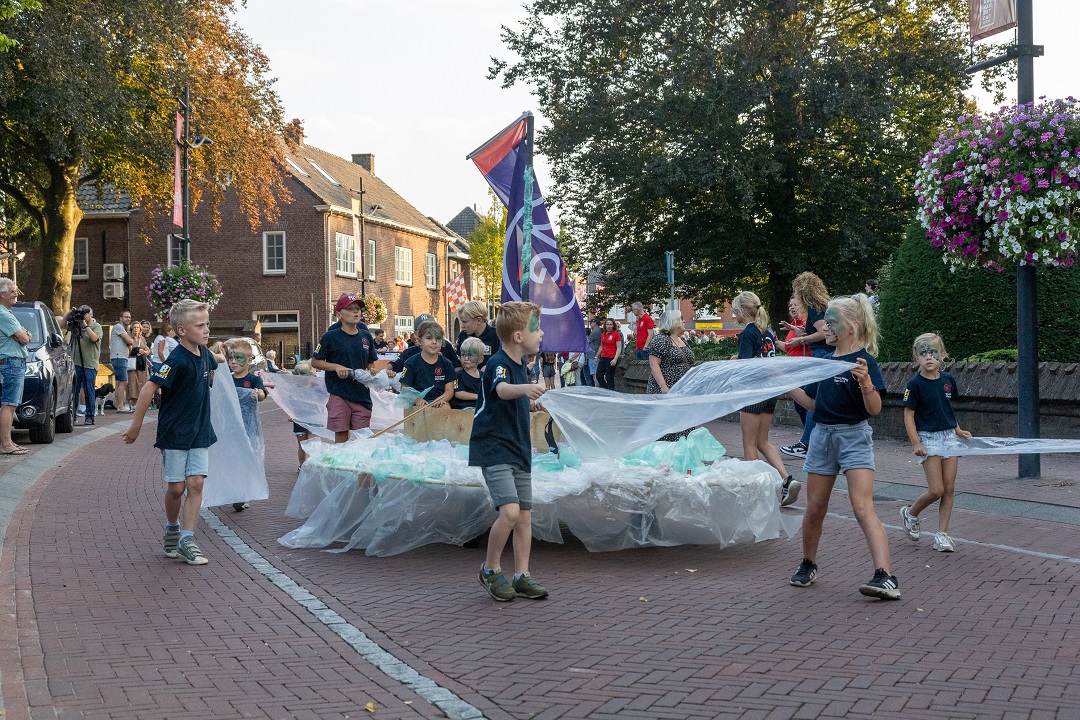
[(608, 343), (800, 350), (644, 325)]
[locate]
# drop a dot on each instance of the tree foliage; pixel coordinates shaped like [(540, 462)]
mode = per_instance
[(486, 250), (973, 309), (89, 95), (8, 10), (757, 138)]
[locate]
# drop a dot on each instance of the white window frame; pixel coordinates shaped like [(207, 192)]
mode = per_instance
[(84, 243), (269, 319), (403, 265), (431, 270), (345, 266), (370, 264), (176, 243), (267, 270), (322, 172), (403, 325)]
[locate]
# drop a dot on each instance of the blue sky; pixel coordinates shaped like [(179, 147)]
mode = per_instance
[(407, 81)]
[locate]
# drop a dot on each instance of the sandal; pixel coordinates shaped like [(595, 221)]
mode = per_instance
[(16, 451)]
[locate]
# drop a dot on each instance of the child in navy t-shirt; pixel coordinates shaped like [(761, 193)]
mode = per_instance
[(430, 370), (931, 428), (467, 382)]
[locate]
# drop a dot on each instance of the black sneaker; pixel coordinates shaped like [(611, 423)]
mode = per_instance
[(797, 450), (882, 586), (791, 491), (805, 575), (88, 420)]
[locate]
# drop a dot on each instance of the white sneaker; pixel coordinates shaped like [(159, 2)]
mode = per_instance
[(943, 543), (797, 450), (791, 492), (81, 411), (911, 523)]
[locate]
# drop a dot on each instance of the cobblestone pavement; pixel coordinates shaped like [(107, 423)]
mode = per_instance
[(96, 623)]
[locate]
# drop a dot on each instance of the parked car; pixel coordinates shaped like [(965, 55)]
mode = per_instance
[(48, 403)]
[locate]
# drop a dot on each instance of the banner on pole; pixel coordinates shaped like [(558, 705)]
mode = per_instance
[(178, 190), (989, 17), (456, 294), (504, 163)]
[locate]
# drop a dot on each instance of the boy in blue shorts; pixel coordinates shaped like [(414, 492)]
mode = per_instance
[(501, 447), (184, 432)]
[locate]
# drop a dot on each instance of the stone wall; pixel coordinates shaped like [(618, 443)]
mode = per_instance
[(986, 405)]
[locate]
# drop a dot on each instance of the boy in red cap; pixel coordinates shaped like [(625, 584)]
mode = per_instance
[(344, 348)]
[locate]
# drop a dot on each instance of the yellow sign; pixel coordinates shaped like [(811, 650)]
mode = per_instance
[(714, 325)]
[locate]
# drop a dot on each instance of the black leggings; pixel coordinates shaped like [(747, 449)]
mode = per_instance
[(605, 373)]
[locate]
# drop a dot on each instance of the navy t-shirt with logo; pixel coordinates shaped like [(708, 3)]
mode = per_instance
[(753, 344), (419, 374), (489, 337), (932, 402), (500, 431), (184, 416), (466, 383), (838, 400), (352, 351), (412, 351)]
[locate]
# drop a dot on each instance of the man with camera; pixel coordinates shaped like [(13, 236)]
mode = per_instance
[(13, 340), (85, 334)]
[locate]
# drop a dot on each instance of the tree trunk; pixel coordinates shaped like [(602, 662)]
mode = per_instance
[(61, 219)]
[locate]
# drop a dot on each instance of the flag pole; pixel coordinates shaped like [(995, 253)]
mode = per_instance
[(527, 209)]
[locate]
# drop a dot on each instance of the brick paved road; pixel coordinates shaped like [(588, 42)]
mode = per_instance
[(96, 623)]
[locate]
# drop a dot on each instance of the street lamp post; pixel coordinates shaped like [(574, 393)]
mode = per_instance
[(187, 143)]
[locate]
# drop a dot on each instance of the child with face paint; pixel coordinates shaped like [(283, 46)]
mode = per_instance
[(249, 390), (929, 421), (842, 441)]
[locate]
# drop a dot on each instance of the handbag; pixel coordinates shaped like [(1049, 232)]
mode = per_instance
[(136, 361)]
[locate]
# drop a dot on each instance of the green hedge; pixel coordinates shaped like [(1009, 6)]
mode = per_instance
[(973, 310)]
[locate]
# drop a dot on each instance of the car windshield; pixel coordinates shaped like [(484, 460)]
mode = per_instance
[(30, 319)]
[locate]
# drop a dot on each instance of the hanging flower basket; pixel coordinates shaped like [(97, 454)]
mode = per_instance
[(373, 311), (170, 284), (1004, 188)]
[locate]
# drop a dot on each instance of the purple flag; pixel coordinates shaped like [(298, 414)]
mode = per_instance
[(506, 163)]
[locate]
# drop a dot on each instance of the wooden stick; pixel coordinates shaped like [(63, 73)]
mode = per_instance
[(399, 422)]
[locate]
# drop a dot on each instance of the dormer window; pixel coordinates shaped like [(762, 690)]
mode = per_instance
[(322, 172)]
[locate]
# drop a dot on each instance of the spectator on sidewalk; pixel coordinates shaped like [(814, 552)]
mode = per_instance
[(87, 357), (184, 430), (810, 291), (871, 294), (13, 341), (644, 332), (163, 345), (271, 362), (138, 375), (611, 345), (795, 326), (120, 343), (669, 359), (588, 373)]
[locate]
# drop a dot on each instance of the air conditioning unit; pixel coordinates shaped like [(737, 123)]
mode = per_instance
[(113, 271), (114, 290)]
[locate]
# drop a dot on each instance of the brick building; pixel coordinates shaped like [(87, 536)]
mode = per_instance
[(342, 230)]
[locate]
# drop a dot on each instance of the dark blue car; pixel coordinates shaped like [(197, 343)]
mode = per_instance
[(48, 404)]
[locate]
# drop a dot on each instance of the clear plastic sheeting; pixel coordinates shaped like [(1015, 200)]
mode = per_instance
[(601, 423), (391, 494), (303, 398), (237, 472), (1007, 446)]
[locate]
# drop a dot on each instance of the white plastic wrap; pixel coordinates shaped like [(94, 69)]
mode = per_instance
[(1008, 446), (303, 398), (237, 473), (601, 423)]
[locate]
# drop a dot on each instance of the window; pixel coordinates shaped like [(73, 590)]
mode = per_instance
[(81, 269), (346, 254), (402, 265), (403, 325), (322, 172), (431, 270), (370, 267), (273, 253), (178, 250), (297, 168), (287, 320)]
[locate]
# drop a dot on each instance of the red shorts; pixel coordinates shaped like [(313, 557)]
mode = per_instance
[(343, 415)]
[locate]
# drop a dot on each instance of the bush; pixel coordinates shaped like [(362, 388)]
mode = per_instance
[(720, 350), (974, 310), (1007, 355)]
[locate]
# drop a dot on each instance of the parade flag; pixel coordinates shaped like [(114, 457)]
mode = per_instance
[(533, 268), (178, 190), (989, 17), (456, 294)]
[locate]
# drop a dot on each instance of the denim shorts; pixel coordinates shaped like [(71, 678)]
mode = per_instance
[(182, 464), (838, 448), (12, 373), (509, 484), (119, 366), (938, 443)]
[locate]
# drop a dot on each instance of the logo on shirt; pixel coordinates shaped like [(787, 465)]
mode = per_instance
[(318, 348), (841, 379), (948, 391), (165, 370), (439, 373), (487, 349), (457, 384), (500, 373), (907, 393)]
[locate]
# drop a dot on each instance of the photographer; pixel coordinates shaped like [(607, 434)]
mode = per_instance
[(85, 335)]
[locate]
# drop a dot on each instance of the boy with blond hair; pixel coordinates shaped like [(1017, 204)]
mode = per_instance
[(501, 447), (473, 316), (184, 432)]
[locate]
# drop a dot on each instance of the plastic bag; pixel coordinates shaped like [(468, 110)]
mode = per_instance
[(303, 398), (237, 472)]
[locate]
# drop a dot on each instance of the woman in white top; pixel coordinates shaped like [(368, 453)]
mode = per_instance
[(164, 344)]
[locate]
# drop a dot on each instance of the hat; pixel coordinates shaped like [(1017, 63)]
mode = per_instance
[(421, 319), (348, 299)]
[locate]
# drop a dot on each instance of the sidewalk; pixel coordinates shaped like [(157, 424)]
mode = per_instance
[(96, 623)]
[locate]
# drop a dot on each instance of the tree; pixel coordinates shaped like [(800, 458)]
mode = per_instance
[(486, 250), (89, 95), (8, 10), (758, 138)]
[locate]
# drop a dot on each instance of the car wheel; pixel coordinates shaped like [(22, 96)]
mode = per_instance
[(45, 433), (66, 423)]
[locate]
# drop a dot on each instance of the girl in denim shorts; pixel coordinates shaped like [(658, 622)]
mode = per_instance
[(931, 428), (842, 441)]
